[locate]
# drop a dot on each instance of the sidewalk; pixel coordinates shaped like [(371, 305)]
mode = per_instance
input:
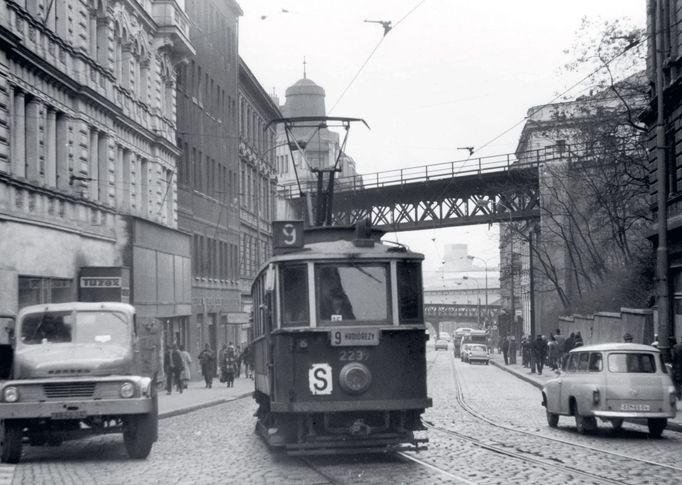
[(523, 373), (196, 396)]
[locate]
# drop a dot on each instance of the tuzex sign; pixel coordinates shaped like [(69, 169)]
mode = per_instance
[(104, 283)]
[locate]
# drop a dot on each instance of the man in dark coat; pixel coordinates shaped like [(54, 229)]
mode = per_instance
[(207, 360), (676, 357), (505, 350), (512, 350), (539, 353), (178, 366)]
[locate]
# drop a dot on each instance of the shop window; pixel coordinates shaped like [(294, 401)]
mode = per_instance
[(38, 290)]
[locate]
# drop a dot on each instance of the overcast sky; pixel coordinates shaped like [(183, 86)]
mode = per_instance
[(449, 74)]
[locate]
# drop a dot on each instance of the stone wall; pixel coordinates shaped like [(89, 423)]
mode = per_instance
[(605, 327)]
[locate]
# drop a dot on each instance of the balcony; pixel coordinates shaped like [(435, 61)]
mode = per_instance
[(174, 23)]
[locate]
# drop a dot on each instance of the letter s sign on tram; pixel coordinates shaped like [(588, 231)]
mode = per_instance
[(287, 234), (320, 379)]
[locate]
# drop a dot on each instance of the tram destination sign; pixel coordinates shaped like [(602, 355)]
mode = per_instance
[(354, 337)]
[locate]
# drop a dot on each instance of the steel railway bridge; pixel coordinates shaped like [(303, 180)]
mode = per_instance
[(486, 190)]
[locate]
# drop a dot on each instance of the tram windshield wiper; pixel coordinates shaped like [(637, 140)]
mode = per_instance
[(365, 272)]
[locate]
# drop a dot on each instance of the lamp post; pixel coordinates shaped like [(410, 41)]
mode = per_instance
[(478, 296), (486, 277)]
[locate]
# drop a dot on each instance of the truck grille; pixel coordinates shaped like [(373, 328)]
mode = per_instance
[(69, 389)]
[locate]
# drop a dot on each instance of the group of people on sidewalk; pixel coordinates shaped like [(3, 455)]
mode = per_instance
[(229, 360), (541, 351)]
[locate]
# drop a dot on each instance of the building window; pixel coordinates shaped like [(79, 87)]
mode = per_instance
[(35, 290)]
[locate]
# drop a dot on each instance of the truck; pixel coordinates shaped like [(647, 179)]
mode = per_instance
[(70, 370)]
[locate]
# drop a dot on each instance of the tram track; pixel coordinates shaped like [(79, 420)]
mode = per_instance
[(550, 463)]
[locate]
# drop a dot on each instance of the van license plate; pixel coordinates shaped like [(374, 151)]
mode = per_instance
[(70, 415), (634, 407)]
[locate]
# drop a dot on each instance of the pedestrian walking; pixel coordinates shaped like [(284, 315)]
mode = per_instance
[(207, 362), (178, 366), (539, 353), (578, 342), (505, 350), (627, 338), (186, 374), (245, 360), (676, 358), (222, 355), (512, 350), (525, 351), (168, 369), (561, 345), (238, 358), (553, 353), (230, 369)]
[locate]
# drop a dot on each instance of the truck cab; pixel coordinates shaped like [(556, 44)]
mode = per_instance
[(75, 370)]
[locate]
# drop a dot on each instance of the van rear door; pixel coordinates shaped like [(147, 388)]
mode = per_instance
[(633, 382)]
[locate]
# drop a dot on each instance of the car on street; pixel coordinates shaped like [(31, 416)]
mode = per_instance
[(477, 353), (441, 344), (444, 336), (611, 382)]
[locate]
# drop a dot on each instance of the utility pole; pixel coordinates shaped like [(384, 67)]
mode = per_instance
[(664, 325)]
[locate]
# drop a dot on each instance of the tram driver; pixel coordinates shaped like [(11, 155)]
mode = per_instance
[(336, 306)]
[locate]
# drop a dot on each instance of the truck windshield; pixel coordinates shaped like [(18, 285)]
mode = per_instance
[(355, 292), (96, 327)]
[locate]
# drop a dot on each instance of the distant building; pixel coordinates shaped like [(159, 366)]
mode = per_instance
[(258, 177), (88, 155), (666, 34), (208, 175)]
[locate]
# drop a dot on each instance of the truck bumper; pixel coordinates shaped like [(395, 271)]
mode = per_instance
[(75, 409)]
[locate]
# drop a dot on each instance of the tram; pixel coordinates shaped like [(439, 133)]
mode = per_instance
[(340, 342)]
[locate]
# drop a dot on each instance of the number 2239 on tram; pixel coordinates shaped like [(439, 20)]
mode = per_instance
[(339, 342)]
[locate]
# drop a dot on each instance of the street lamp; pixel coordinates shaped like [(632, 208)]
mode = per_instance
[(486, 277), (478, 295)]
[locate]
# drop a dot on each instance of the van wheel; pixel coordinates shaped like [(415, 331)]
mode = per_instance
[(656, 426), (10, 441), (552, 420), (617, 423), (584, 424), (138, 435)]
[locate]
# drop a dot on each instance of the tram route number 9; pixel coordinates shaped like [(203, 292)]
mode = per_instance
[(287, 234), (320, 379)]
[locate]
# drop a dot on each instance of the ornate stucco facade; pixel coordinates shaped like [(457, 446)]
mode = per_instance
[(87, 149)]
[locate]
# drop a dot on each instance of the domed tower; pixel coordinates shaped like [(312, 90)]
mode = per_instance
[(304, 98)]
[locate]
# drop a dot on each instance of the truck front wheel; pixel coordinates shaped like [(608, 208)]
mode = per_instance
[(139, 434), (10, 441)]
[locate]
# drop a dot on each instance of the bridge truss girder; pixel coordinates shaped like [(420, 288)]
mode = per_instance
[(437, 312), (458, 201)]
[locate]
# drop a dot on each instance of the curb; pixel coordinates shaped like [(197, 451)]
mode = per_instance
[(529, 380), (197, 407), (670, 427)]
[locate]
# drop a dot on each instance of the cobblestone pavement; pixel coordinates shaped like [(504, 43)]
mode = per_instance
[(515, 404), (217, 444), (213, 445)]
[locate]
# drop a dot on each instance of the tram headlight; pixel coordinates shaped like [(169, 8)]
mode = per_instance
[(127, 390), (355, 378), (10, 394)]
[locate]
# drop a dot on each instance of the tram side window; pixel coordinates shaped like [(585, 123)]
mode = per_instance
[(410, 292), (294, 293)]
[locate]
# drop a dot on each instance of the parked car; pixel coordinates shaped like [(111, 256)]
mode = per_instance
[(611, 382), (444, 336), (441, 344), (477, 353)]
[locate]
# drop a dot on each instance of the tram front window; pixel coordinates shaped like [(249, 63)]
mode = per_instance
[(294, 284), (356, 292)]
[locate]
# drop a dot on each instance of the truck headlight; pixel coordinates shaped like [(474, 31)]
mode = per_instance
[(10, 394), (127, 390)]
